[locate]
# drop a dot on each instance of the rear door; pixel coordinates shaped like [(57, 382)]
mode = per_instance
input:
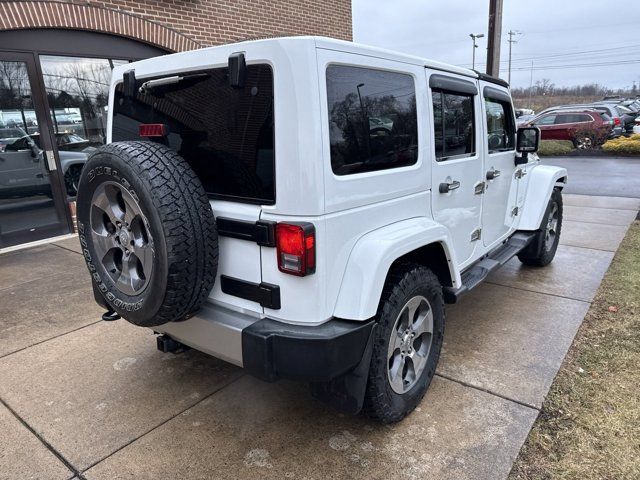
[(564, 125), (226, 136), (499, 145), (457, 180)]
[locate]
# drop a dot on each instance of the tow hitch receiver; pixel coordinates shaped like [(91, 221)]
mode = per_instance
[(110, 316), (166, 344)]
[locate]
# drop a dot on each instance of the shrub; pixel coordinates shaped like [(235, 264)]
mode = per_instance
[(623, 145), (590, 136), (554, 147)]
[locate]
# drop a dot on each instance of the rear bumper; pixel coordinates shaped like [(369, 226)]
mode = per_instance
[(271, 350)]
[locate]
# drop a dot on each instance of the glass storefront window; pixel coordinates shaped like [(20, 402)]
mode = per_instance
[(26, 198), (77, 92)]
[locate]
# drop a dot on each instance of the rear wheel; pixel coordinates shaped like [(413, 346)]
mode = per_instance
[(583, 143), (407, 343), (72, 179)]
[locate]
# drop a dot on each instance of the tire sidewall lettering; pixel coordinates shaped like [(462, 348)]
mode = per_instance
[(83, 231)]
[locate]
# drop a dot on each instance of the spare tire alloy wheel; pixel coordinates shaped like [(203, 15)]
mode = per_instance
[(121, 238), (147, 232)]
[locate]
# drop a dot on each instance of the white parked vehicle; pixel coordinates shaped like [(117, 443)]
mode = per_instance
[(305, 207), (636, 126)]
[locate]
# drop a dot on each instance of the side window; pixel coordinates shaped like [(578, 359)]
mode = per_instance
[(548, 120), (564, 118), (584, 118), (501, 131), (453, 124), (373, 123)]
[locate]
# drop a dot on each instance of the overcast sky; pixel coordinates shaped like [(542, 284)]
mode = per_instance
[(555, 33)]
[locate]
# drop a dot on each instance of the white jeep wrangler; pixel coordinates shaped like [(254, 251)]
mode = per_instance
[(304, 208)]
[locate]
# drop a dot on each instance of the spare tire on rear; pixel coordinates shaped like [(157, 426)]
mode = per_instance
[(148, 233)]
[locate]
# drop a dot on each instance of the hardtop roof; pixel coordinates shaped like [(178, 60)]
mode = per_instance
[(349, 47)]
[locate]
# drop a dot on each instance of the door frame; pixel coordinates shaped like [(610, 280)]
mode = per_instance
[(65, 224)]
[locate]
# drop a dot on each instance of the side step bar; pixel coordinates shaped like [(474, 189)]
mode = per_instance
[(480, 270)]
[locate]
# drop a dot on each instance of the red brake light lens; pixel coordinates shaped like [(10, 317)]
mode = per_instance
[(616, 121), (296, 248), (152, 130)]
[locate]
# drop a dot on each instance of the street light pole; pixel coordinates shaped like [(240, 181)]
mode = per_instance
[(474, 37)]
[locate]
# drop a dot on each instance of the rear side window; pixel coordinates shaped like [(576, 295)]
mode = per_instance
[(373, 124), (501, 130), (453, 125), (225, 134), (572, 118)]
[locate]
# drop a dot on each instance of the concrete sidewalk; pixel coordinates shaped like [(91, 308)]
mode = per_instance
[(86, 398)]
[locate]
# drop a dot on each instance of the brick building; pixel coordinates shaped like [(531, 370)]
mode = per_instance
[(55, 62)]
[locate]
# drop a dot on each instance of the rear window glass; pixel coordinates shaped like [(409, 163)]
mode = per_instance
[(373, 124), (225, 134)]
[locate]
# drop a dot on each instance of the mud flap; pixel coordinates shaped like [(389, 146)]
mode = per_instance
[(346, 393)]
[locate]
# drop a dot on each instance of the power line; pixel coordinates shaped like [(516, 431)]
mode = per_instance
[(581, 65), (570, 54)]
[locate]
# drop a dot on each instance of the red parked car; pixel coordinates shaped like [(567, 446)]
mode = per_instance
[(562, 125)]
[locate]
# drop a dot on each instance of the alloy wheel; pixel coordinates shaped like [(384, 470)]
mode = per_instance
[(121, 238), (551, 229), (410, 344)]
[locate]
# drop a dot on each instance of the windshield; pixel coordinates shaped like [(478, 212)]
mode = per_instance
[(226, 134)]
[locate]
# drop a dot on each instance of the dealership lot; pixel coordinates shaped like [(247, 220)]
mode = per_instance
[(82, 396)]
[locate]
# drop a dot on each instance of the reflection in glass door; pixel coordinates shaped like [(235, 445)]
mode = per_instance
[(77, 93), (31, 206)]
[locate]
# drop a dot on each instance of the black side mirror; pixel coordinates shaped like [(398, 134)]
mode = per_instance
[(237, 70), (527, 141)]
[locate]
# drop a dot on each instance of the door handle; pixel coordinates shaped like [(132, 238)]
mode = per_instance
[(493, 174), (447, 187)]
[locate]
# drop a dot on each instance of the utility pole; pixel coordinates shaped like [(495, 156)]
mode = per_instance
[(474, 37), (531, 85), (511, 42), (495, 36)]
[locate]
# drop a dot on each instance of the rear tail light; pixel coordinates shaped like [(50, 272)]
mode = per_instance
[(296, 247), (152, 130), (616, 121)]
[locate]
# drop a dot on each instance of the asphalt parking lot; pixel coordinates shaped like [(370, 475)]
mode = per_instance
[(609, 176), (89, 399)]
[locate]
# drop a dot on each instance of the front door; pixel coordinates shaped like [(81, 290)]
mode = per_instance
[(32, 203), (457, 166), (499, 145)]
